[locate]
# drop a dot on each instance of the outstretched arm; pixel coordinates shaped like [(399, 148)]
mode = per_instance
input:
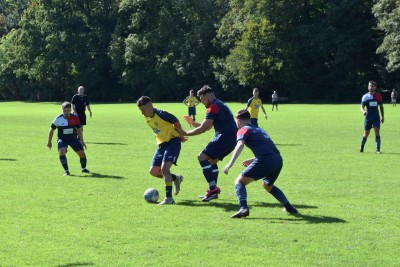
[(206, 125), (235, 155)]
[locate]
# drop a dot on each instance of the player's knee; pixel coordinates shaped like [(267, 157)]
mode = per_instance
[(156, 172), (266, 186)]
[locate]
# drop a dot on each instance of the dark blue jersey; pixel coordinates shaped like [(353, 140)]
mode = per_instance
[(372, 101), (222, 117), (257, 140)]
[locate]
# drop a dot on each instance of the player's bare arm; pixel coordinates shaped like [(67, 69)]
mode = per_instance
[(181, 132), (206, 125), (80, 134), (51, 132), (236, 152), (382, 113)]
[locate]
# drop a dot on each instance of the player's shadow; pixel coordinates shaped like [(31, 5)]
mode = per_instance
[(101, 176), (3, 159), (233, 206), (105, 143), (289, 144), (76, 264)]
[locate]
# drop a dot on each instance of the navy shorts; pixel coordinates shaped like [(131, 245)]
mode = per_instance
[(368, 124), (220, 146), (167, 152), (266, 167), (192, 111), (254, 122), (75, 144)]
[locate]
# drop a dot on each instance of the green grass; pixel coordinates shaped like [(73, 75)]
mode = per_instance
[(348, 201)]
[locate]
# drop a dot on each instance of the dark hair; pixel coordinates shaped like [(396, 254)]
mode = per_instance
[(143, 100), (372, 82), (243, 114), (255, 88), (205, 90), (66, 105)]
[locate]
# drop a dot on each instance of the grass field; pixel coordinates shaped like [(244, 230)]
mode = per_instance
[(348, 201)]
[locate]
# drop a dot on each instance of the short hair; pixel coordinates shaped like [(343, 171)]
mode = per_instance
[(143, 100), (205, 90), (81, 87), (191, 91), (256, 89), (372, 82), (66, 105), (243, 114)]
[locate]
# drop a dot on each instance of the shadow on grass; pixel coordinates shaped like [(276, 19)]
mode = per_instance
[(76, 264), (2, 159), (99, 175), (233, 206), (289, 144), (108, 144)]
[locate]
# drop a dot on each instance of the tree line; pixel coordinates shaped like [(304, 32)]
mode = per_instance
[(308, 51)]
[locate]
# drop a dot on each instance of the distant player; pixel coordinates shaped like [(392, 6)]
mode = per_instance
[(168, 132), (191, 102), (253, 106), (393, 97), (266, 165), (220, 116), (80, 102), (69, 128), (274, 101), (369, 107)]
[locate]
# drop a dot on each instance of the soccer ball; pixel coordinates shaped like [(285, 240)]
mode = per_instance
[(151, 195)]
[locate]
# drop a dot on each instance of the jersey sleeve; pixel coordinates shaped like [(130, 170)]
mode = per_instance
[(249, 102), (166, 116), (242, 134), (212, 112), (87, 100)]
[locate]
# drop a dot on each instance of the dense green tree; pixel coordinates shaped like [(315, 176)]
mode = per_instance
[(61, 44), (161, 48), (310, 50), (387, 13)]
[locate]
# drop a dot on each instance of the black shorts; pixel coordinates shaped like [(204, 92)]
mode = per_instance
[(82, 118)]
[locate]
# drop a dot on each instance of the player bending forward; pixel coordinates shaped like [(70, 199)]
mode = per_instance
[(266, 165)]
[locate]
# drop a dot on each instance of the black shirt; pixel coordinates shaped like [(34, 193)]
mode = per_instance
[(80, 102)]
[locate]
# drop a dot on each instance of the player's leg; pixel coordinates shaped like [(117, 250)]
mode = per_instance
[(276, 106), (275, 167), (241, 194), (214, 169), (62, 150), (165, 169), (171, 153), (377, 136), (367, 129), (78, 148)]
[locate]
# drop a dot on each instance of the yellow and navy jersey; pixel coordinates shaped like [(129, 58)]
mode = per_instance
[(253, 106), (191, 101), (162, 124), (66, 127)]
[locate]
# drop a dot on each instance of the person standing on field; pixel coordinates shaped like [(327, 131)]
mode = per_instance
[(266, 164), (393, 97), (220, 116), (191, 102), (169, 135), (80, 102), (253, 106), (369, 108), (69, 128), (274, 101)]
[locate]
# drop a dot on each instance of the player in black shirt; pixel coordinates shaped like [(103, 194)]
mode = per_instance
[(79, 103)]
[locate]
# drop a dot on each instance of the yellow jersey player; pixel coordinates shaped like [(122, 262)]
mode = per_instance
[(191, 102), (253, 106), (168, 132)]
